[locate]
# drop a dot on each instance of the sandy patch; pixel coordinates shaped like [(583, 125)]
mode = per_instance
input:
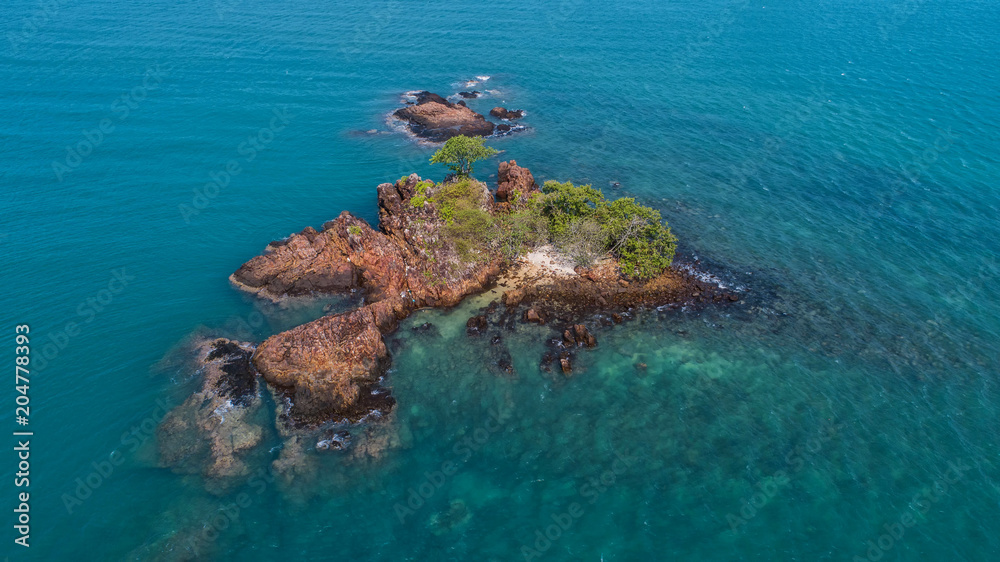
[(548, 258), (538, 267)]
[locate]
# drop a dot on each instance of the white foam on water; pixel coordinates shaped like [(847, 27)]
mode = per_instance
[(222, 410), (706, 277)]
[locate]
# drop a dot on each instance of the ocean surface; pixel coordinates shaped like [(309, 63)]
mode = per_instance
[(836, 161)]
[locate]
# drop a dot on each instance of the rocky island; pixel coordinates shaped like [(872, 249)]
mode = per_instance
[(433, 118), (561, 253)]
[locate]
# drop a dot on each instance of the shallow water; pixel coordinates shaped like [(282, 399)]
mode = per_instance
[(838, 162)]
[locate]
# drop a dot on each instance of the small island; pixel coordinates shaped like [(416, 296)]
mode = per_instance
[(433, 118), (561, 253)]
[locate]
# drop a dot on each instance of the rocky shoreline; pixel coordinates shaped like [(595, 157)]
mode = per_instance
[(328, 367), (329, 372)]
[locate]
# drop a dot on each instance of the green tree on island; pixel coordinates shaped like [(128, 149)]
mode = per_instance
[(461, 152), (584, 224)]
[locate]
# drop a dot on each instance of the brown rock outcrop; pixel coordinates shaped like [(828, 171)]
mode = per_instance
[(567, 367), (513, 179), (329, 368), (578, 334), (404, 260), (436, 119)]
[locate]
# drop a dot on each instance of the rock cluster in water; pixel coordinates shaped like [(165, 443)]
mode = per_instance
[(507, 114), (329, 371)]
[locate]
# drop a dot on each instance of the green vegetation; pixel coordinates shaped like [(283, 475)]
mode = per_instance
[(461, 152), (564, 204), (576, 219), (517, 233), (354, 229), (460, 197), (585, 225), (462, 204), (420, 198), (637, 236)]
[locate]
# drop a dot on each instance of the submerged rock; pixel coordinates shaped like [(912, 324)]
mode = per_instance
[(334, 441), (451, 519), (476, 325), (213, 429), (426, 328)]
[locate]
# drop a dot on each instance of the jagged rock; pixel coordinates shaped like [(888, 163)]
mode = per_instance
[(512, 179), (567, 368), (330, 367), (436, 119), (507, 114), (470, 95), (512, 297), (476, 325), (396, 262), (579, 335)]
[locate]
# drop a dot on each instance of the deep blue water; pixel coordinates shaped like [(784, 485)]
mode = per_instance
[(837, 160)]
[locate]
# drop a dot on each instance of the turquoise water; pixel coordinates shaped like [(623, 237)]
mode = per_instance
[(837, 160)]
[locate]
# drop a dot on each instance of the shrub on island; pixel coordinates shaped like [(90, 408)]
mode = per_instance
[(585, 225), (575, 218)]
